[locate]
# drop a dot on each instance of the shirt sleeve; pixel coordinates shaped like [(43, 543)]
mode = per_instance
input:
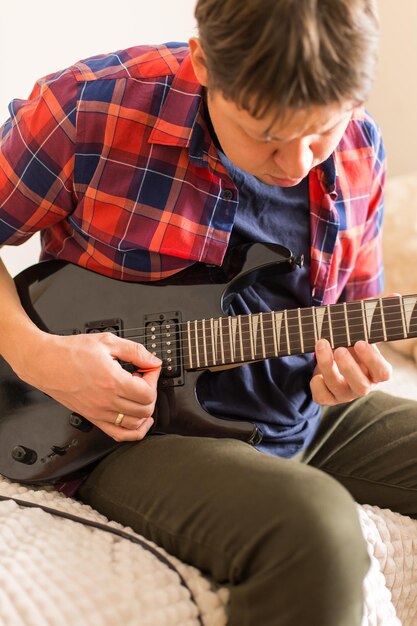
[(367, 277), (37, 159)]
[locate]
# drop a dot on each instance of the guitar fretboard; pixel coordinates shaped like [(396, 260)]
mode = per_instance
[(245, 338)]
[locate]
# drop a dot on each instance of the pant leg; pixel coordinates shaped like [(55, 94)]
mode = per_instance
[(370, 446), (285, 537)]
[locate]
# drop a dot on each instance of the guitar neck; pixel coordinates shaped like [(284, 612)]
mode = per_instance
[(245, 338)]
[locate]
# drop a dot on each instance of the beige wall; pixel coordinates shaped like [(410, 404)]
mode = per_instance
[(393, 101)]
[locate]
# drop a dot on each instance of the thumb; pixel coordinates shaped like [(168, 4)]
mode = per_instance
[(135, 353)]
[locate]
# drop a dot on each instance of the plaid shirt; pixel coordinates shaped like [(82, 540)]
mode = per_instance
[(112, 161)]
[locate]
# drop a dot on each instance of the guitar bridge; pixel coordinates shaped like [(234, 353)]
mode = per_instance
[(163, 339)]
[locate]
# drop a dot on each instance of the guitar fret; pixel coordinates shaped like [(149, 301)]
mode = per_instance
[(330, 327), (384, 328), (410, 309), (261, 323), (204, 342), (216, 340), (374, 320), (239, 325), (257, 338), (213, 341), (227, 344), (287, 332), (309, 331), (354, 313), (319, 313), (274, 333), (369, 309), (268, 331), (365, 330), (323, 325), (316, 336), (279, 316), (245, 338), (221, 340), (293, 331), (224, 339), (232, 321), (403, 318), (394, 318), (338, 325), (252, 347), (283, 336), (347, 324), (300, 326)]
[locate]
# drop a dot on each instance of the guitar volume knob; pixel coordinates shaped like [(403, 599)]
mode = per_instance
[(24, 455)]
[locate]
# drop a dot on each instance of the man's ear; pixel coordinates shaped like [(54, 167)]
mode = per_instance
[(198, 61)]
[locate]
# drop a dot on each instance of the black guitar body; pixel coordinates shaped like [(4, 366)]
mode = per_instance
[(41, 440)]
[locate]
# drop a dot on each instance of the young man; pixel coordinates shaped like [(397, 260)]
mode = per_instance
[(140, 163)]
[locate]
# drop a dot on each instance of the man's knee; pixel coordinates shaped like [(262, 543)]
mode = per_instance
[(329, 520), (315, 521)]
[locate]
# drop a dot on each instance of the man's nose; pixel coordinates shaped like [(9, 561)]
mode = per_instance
[(295, 159)]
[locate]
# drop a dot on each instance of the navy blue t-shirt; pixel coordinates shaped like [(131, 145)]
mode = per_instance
[(274, 393)]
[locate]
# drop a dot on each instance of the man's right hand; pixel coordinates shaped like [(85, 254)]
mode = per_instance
[(83, 373)]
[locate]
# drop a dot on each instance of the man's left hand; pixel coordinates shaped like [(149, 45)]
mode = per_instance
[(345, 374)]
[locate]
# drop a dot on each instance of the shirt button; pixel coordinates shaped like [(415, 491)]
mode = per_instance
[(227, 194)]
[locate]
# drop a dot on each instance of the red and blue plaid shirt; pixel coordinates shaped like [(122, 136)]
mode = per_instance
[(112, 161)]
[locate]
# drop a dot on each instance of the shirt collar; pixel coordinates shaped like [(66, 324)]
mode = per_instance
[(326, 174), (181, 121), (176, 121)]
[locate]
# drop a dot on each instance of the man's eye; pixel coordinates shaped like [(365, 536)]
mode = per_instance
[(257, 138)]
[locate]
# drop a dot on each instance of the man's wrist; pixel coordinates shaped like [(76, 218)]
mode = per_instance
[(20, 342)]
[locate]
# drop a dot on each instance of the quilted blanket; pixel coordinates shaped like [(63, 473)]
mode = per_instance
[(55, 571)]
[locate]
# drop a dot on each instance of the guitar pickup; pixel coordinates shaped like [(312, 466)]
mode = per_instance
[(162, 338)]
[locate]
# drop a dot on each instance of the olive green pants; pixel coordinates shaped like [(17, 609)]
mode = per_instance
[(282, 534)]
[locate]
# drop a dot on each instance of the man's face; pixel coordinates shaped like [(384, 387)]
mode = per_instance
[(277, 152)]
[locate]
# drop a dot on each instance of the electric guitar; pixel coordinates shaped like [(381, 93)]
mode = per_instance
[(182, 320)]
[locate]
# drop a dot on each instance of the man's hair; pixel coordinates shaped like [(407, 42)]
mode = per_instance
[(280, 55)]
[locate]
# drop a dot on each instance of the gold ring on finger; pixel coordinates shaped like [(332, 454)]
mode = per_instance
[(119, 419)]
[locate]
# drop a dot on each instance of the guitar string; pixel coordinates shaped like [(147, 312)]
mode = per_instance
[(408, 308), (205, 352), (293, 331), (268, 336)]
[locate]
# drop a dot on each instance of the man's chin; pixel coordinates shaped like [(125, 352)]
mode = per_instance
[(280, 182)]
